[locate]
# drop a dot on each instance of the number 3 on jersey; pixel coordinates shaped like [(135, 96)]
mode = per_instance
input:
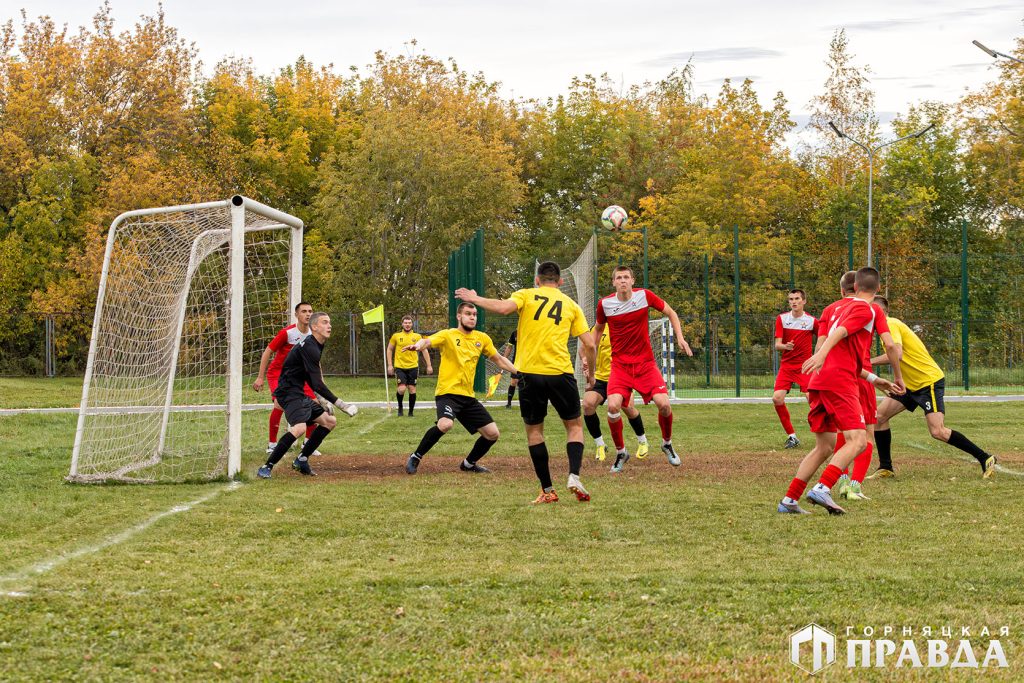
[(555, 312)]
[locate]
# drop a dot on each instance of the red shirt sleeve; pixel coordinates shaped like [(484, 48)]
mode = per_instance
[(855, 317), (817, 326), (778, 327), (279, 341), (601, 318), (822, 327), (881, 324), (654, 301)]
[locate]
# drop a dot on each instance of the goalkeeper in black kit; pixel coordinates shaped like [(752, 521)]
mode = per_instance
[(301, 367)]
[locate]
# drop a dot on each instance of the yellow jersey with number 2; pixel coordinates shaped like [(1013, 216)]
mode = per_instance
[(459, 355)]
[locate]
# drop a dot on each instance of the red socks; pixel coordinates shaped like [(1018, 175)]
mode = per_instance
[(275, 424), (861, 464), (796, 488), (665, 422), (787, 423), (830, 476), (616, 428)]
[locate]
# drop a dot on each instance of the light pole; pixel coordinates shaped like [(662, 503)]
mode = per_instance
[(995, 54), (871, 164)]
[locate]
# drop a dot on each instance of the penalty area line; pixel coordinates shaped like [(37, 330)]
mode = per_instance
[(39, 568)]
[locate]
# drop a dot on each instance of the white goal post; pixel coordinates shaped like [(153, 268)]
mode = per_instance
[(189, 297)]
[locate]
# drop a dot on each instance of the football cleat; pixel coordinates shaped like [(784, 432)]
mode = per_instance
[(842, 486), (401, 412), (576, 487), (263, 472), (824, 499), (791, 508), (988, 468), (302, 465), (546, 497), (642, 449), (880, 473), (854, 492), (620, 461), (792, 442), (600, 452), (670, 453), (413, 463), (473, 467)]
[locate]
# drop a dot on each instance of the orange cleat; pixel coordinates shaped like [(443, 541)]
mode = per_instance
[(546, 497)]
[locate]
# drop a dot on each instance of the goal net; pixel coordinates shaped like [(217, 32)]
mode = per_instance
[(189, 297), (578, 283)]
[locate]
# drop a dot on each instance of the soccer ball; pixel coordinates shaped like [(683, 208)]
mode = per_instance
[(614, 218)]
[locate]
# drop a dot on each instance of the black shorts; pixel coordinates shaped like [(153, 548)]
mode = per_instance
[(470, 412), (601, 387), (536, 390), (931, 398), (300, 409), (407, 376)]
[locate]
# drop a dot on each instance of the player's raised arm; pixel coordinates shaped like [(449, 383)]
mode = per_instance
[(421, 345), (500, 306), (504, 363)]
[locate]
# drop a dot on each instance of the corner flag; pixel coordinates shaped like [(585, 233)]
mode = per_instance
[(374, 315)]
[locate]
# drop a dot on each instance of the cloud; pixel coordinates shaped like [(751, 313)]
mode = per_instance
[(888, 24), (723, 54)]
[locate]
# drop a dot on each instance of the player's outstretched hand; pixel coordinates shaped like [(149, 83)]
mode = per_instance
[(813, 364), (465, 294), (897, 389), (258, 384), (347, 408), (325, 404), (685, 348)]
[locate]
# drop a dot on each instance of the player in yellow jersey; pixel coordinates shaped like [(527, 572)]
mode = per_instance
[(926, 385), (406, 366), (461, 348), (599, 394), (547, 319)]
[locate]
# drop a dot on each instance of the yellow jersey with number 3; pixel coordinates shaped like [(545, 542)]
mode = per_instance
[(459, 355), (547, 319), (919, 368)]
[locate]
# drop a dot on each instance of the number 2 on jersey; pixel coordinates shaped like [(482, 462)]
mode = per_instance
[(555, 312)]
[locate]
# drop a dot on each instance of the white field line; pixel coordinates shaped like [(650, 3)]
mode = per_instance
[(33, 570), (367, 427)]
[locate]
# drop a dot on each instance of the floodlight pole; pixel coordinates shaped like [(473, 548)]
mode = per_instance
[(871, 166), (996, 54)]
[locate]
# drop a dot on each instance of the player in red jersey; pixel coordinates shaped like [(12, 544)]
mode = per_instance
[(633, 364), (795, 333), (279, 347), (850, 482), (834, 396)]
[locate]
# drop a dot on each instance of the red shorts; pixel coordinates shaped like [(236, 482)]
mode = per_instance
[(831, 411), (868, 402), (644, 378), (272, 383), (788, 376)]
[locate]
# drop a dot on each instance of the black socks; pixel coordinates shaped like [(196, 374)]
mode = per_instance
[(283, 444), (575, 451), (432, 436), (883, 439), (479, 449), (593, 423), (539, 456)]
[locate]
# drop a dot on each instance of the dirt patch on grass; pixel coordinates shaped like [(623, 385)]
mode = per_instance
[(699, 467)]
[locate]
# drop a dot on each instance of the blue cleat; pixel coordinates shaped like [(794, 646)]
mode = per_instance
[(263, 472), (302, 465), (824, 499), (792, 508), (413, 463)]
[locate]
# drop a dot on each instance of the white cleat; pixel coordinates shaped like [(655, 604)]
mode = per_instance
[(576, 487)]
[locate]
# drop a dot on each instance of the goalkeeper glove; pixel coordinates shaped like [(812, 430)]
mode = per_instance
[(347, 408), (325, 404)]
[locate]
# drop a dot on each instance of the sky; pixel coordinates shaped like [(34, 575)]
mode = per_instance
[(917, 49)]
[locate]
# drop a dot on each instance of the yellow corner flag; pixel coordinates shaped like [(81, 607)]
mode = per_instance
[(492, 384), (374, 315)]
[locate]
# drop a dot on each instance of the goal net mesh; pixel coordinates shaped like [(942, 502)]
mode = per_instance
[(578, 283), (155, 407)]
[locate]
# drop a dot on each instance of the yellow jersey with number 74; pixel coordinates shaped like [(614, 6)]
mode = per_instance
[(547, 320)]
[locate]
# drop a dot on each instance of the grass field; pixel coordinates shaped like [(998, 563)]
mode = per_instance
[(365, 573)]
